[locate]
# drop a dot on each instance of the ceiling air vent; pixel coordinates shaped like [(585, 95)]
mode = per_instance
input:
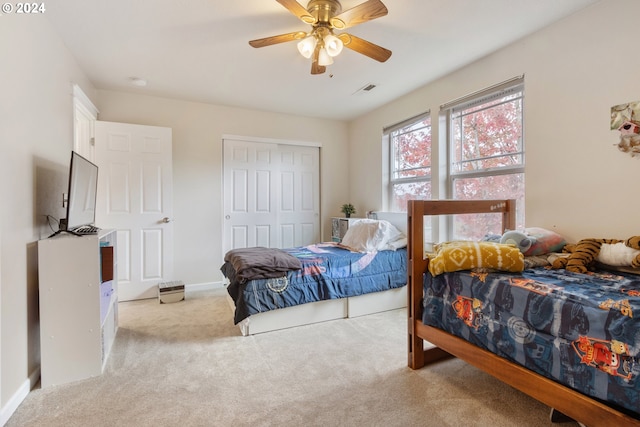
[(366, 88)]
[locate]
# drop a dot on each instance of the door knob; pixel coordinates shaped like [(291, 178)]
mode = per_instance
[(166, 220)]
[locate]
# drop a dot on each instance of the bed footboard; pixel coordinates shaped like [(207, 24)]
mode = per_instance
[(417, 264), (570, 402)]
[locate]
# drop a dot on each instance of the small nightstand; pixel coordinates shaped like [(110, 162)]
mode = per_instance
[(339, 227)]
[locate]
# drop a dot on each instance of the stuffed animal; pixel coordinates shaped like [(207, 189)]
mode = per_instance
[(534, 240), (518, 238), (584, 254), (630, 138), (630, 144)]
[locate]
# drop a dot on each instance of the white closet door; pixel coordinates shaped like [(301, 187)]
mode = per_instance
[(299, 195), (271, 194)]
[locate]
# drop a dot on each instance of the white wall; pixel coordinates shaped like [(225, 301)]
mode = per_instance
[(36, 138), (577, 182), (197, 166)]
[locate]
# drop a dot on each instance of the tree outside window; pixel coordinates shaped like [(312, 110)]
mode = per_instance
[(410, 162), (487, 157), (485, 148)]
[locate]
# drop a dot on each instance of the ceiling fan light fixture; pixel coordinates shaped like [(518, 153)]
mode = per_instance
[(320, 44), (307, 45), (324, 58), (333, 45)]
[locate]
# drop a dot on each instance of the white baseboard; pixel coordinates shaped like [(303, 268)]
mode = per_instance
[(194, 287), (12, 405)]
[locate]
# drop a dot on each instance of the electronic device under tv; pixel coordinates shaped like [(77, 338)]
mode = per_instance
[(81, 196)]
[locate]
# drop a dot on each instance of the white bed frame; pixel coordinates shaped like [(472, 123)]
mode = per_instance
[(322, 311)]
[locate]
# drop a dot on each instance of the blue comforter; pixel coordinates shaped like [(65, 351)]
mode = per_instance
[(328, 272), (581, 330)]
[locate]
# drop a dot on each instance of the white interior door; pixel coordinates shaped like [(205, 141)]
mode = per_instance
[(85, 115), (271, 194), (135, 198)]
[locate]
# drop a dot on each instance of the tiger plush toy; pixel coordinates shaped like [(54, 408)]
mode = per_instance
[(586, 252)]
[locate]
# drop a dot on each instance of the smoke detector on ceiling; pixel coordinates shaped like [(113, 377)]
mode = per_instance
[(137, 81)]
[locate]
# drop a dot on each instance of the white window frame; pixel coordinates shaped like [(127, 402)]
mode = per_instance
[(512, 86), (388, 136)]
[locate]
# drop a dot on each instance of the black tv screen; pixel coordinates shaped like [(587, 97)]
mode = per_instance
[(83, 187)]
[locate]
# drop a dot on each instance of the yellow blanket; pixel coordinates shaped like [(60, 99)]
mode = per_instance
[(465, 255)]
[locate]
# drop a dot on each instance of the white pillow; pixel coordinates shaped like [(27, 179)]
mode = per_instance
[(371, 235)]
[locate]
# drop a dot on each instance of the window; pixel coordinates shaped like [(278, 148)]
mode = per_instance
[(486, 153), (410, 158)]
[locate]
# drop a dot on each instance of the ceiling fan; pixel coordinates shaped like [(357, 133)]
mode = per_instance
[(325, 16)]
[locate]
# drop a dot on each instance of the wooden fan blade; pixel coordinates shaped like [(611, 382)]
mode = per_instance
[(364, 47), (315, 67), (370, 9), (282, 38), (297, 9)]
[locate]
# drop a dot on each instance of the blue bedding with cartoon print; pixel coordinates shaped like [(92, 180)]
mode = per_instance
[(581, 330), (328, 272)]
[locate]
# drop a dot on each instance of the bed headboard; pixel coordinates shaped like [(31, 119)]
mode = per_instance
[(398, 219), (417, 264), (418, 209)]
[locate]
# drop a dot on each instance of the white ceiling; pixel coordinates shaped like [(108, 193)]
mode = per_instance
[(198, 50)]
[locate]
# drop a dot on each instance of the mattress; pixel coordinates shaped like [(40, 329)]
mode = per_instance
[(581, 330), (328, 272)]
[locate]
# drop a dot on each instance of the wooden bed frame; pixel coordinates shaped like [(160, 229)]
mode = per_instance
[(443, 345)]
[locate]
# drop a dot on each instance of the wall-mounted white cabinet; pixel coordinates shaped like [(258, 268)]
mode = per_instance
[(78, 305)]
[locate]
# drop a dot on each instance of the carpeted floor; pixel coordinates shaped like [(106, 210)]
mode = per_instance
[(186, 364)]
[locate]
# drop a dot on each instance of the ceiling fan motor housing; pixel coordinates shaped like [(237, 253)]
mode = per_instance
[(324, 10)]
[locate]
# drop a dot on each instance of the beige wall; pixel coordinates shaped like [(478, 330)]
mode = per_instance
[(577, 182), (36, 138), (197, 166)]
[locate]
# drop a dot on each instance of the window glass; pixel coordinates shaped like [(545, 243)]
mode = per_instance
[(488, 136), (486, 152), (404, 192), (410, 145), (475, 227)]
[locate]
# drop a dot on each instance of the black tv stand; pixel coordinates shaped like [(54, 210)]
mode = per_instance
[(62, 228)]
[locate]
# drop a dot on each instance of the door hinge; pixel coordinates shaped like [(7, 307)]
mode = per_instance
[(92, 141)]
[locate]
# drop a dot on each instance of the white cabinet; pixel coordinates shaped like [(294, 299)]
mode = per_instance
[(78, 305), (339, 227)]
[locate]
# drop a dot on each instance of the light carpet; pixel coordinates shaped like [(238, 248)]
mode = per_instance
[(186, 364)]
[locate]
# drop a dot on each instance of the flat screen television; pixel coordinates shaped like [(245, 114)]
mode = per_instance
[(81, 195)]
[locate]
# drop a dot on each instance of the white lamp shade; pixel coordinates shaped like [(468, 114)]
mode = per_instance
[(333, 45), (306, 46), (324, 58)]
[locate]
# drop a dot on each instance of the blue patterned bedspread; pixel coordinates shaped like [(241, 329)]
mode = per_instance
[(328, 272), (582, 330)]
